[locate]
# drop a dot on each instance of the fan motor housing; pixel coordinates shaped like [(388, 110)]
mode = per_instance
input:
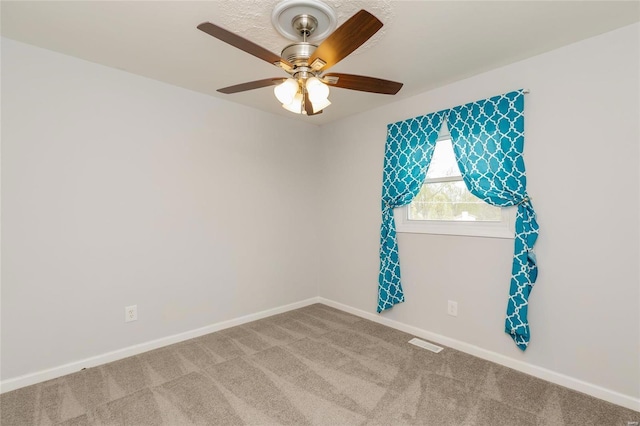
[(298, 53)]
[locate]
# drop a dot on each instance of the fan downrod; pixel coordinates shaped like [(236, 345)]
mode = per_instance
[(298, 53)]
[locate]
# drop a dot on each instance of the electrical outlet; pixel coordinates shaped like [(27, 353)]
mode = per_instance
[(131, 313), (452, 308)]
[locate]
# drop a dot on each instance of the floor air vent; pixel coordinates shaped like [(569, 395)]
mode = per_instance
[(425, 345)]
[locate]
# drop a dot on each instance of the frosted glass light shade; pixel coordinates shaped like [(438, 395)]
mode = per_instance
[(295, 105), (317, 90), (286, 91), (320, 105)]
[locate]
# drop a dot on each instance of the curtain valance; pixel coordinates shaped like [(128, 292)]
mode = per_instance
[(488, 140)]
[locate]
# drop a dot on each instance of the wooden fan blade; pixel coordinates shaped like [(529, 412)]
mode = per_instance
[(347, 38), (251, 85), (364, 84), (241, 43)]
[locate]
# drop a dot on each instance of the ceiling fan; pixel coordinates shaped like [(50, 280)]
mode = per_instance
[(306, 91)]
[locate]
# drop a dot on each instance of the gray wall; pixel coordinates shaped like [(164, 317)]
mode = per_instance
[(119, 190)]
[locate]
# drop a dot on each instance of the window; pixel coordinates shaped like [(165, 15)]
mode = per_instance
[(444, 205)]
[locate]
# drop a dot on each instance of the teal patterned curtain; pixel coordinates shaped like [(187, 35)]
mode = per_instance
[(488, 140), (408, 152)]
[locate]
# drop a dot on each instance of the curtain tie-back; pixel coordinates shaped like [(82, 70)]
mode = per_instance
[(524, 200)]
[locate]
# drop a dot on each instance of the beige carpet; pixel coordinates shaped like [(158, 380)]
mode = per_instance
[(314, 365)]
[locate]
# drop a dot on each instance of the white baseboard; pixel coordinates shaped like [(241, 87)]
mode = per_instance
[(72, 367), (533, 370), (540, 372)]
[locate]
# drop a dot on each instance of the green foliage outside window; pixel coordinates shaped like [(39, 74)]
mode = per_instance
[(450, 201)]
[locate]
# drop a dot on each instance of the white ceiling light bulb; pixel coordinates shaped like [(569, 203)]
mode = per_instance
[(286, 91), (320, 105), (317, 90), (295, 105)]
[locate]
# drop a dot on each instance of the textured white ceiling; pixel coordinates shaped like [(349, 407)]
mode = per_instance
[(252, 19), (424, 44)]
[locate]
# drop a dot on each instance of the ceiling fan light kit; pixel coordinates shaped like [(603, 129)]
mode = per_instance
[(286, 91), (320, 105), (295, 105), (290, 94), (317, 90), (306, 91)]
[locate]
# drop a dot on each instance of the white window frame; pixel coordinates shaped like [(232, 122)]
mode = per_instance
[(505, 228)]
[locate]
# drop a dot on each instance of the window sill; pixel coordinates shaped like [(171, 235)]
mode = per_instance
[(503, 229)]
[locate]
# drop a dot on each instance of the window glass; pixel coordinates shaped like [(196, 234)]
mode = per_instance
[(444, 205), (443, 162), (451, 201)]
